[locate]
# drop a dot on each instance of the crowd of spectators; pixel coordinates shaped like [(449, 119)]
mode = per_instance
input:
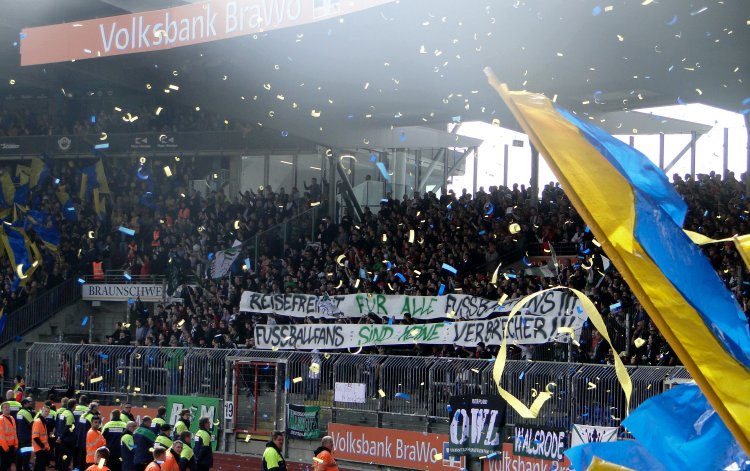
[(110, 117), (176, 229)]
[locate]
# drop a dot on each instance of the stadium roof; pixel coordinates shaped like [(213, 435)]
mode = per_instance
[(411, 63)]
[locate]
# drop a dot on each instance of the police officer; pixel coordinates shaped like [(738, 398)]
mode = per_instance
[(127, 447), (24, 421), (182, 424), (112, 433), (66, 437), (204, 456)]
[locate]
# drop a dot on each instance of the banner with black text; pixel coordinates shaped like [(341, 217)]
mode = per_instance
[(523, 329), (459, 306)]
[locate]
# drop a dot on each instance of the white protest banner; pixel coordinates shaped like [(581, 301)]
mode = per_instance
[(460, 306), (350, 392), (592, 434), (523, 329), (221, 262)]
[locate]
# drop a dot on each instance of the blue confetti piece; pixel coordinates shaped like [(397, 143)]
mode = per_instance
[(402, 137), (373, 158), (527, 262), (481, 233), (388, 265), (403, 396), (510, 275), (102, 146), (284, 133), (585, 415), (615, 306), (210, 256), (449, 268), (441, 290), (520, 377), (673, 21), (26, 449), (81, 280), (456, 119), (587, 230), (490, 209), (401, 277), (362, 273), (57, 181), (449, 408), (375, 279), (22, 35), (579, 309), (130, 301), (247, 263), (126, 231), (287, 384), (383, 171), (104, 356), (596, 11), (492, 455), (746, 101), (92, 118), (127, 276), (85, 321), (390, 321)]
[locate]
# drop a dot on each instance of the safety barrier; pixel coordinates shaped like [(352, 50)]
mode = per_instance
[(260, 382), (39, 309)]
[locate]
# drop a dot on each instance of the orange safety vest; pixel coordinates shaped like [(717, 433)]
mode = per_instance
[(39, 430), (153, 466), (8, 437), (324, 462), (98, 270), (171, 463), (94, 441)]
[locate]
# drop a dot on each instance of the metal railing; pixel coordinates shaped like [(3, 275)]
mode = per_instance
[(271, 242), (396, 387), (39, 309)]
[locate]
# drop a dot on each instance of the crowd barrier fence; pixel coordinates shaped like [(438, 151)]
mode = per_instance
[(260, 384)]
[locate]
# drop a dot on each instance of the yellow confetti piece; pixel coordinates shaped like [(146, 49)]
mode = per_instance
[(297, 379), (326, 355), (647, 2), (385, 238), (591, 385), (649, 386), (381, 393), (639, 342), (494, 275), (596, 242), (247, 437), (620, 38), (514, 228), (502, 299), (96, 380), (137, 389), (315, 368), (167, 171), (475, 370), (534, 392), (318, 460), (451, 314), (571, 332), (699, 91), (411, 236), (340, 259), (437, 457), (609, 8), (594, 317), (315, 114)]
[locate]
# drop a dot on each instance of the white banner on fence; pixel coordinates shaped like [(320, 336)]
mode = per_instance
[(592, 434), (350, 392), (107, 292), (555, 303), (523, 329)]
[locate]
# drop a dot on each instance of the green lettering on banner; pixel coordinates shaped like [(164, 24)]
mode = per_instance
[(417, 306), (374, 334), (372, 303), (422, 333), (199, 407)]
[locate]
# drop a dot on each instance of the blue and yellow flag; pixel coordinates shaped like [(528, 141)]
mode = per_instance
[(92, 177), (637, 217), (8, 189), (38, 171)]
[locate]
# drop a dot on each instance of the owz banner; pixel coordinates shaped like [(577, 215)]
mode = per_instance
[(476, 425)]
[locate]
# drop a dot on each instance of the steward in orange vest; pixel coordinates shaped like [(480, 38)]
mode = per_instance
[(94, 440), (8, 438), (40, 440)]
